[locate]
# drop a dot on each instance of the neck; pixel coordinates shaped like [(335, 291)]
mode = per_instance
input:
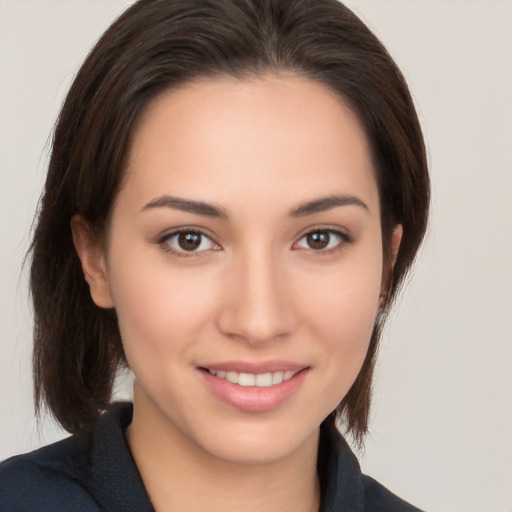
[(179, 476)]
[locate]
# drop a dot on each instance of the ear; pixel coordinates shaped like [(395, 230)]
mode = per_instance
[(396, 239), (92, 257)]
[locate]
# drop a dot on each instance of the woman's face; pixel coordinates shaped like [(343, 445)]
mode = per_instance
[(244, 261)]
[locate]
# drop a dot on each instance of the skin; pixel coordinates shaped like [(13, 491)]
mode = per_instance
[(255, 291)]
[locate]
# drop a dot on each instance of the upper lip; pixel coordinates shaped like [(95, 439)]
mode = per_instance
[(255, 367)]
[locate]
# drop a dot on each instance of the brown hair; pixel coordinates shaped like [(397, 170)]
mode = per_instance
[(160, 44)]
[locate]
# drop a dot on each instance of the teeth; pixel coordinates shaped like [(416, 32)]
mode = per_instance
[(261, 380), (246, 379), (232, 377), (277, 377)]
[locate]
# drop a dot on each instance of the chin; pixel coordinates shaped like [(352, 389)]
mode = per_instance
[(257, 441)]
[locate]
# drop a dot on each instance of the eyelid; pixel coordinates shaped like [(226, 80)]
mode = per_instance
[(345, 239), (163, 240)]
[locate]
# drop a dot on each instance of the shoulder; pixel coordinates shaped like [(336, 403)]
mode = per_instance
[(47, 479), (381, 499), (88, 472)]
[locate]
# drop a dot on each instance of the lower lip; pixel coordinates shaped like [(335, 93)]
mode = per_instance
[(253, 398)]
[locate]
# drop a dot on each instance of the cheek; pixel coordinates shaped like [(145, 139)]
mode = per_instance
[(347, 322), (159, 310), (346, 301), (346, 327), (341, 308)]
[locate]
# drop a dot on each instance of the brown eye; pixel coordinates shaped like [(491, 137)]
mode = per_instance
[(189, 241), (318, 239), (323, 240), (182, 242)]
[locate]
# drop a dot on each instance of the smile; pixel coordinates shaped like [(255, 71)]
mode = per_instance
[(254, 387), (260, 380)]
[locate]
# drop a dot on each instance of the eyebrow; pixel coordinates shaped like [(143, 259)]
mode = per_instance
[(327, 203), (208, 210), (187, 205)]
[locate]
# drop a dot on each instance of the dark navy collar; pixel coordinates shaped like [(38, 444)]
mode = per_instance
[(113, 478), (339, 472)]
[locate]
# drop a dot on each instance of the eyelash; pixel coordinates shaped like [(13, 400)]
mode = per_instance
[(163, 241), (343, 240)]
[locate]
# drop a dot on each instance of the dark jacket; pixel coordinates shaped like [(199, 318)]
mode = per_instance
[(94, 471)]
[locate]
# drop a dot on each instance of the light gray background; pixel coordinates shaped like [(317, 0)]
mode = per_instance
[(442, 421)]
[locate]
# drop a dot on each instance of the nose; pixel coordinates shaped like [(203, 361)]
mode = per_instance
[(257, 306)]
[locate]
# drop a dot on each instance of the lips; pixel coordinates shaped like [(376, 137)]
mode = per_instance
[(253, 387)]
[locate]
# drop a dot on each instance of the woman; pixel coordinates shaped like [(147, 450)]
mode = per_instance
[(236, 191)]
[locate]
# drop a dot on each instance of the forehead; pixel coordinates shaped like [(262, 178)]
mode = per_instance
[(276, 137)]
